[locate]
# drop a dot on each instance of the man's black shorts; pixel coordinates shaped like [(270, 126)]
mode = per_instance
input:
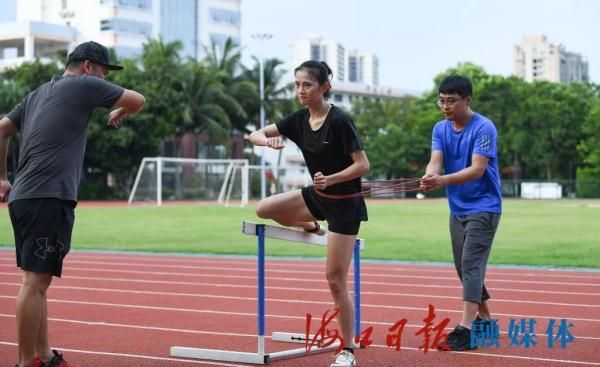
[(42, 230), (343, 215)]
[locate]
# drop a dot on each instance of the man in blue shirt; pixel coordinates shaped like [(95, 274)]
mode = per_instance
[(464, 146)]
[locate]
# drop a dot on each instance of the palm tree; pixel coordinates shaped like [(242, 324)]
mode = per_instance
[(225, 63), (278, 99), (207, 109), (208, 105)]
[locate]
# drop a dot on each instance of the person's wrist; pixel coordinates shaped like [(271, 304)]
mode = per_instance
[(442, 181)]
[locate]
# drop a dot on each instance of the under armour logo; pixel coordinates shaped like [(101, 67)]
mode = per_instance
[(44, 247)]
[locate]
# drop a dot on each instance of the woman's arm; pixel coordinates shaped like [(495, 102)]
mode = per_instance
[(358, 168), (268, 136)]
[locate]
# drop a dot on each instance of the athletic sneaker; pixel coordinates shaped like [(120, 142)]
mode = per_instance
[(459, 339), (485, 324), (58, 361), (37, 362), (344, 359)]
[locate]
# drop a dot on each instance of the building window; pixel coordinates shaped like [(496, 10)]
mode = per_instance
[(126, 26), (338, 98), (341, 58), (315, 52), (223, 16), (139, 4), (353, 69)]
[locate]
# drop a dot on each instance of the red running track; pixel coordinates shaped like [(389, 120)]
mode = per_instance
[(129, 309)]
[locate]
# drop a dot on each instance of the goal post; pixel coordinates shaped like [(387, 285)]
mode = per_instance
[(161, 179)]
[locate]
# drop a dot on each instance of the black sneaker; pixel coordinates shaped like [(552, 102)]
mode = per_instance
[(58, 361), (459, 339), (486, 325)]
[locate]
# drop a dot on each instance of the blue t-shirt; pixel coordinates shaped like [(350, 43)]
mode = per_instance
[(478, 137)]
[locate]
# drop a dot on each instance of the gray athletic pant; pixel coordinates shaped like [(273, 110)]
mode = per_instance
[(472, 237)]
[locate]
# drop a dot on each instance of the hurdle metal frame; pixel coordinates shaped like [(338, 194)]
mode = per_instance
[(263, 231)]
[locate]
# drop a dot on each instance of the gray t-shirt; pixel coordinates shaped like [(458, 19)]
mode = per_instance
[(53, 121)]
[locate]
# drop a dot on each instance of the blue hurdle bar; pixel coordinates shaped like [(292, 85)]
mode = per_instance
[(260, 232), (357, 290)]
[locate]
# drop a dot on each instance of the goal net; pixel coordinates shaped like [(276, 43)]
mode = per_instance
[(162, 179)]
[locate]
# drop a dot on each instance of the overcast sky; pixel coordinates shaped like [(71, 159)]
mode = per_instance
[(415, 40)]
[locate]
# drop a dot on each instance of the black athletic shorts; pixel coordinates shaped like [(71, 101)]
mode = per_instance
[(343, 215), (42, 230)]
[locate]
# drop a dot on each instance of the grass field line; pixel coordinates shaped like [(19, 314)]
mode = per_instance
[(402, 285), (288, 301), (231, 334), (304, 290), (370, 265), (139, 356), (363, 274)]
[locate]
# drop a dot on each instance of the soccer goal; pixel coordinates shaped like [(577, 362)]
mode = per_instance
[(163, 179)]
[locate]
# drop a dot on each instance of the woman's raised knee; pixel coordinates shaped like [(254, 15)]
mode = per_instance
[(263, 210)]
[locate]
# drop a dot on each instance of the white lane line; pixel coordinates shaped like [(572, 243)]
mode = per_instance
[(302, 263), (507, 356), (470, 354), (228, 268), (139, 356), (175, 330), (363, 275), (328, 304), (366, 265), (401, 285), (305, 290)]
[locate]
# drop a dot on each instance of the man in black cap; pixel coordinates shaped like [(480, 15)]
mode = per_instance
[(53, 123)]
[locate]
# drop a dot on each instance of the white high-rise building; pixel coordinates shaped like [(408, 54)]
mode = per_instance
[(355, 73), (363, 67), (315, 48), (199, 23), (537, 59), (40, 28), (347, 65)]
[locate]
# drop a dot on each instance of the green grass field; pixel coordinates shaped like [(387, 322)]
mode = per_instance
[(553, 233)]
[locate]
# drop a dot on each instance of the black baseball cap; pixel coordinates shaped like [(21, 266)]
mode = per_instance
[(94, 52)]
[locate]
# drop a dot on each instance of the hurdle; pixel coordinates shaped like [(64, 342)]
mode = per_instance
[(263, 231)]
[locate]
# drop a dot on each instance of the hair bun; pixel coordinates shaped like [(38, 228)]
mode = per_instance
[(327, 67)]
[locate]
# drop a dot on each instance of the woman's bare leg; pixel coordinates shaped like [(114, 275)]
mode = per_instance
[(340, 248), (287, 209)]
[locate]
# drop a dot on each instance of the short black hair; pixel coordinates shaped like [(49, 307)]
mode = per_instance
[(458, 84), (319, 70)]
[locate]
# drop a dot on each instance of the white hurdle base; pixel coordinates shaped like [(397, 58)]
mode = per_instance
[(243, 357), (219, 355), (260, 357), (279, 336)]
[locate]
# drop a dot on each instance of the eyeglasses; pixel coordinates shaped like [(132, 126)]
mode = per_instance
[(448, 103)]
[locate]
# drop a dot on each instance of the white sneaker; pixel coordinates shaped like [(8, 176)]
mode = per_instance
[(344, 359)]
